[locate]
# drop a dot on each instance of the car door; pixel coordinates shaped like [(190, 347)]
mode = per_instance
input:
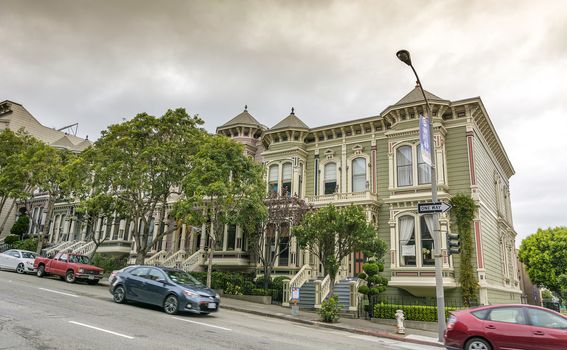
[(548, 331), (155, 288), (59, 265), (507, 328), (134, 283), (12, 259)]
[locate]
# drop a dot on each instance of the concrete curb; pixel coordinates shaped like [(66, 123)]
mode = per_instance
[(335, 326)]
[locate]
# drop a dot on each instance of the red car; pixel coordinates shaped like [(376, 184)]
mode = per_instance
[(68, 266), (506, 327)]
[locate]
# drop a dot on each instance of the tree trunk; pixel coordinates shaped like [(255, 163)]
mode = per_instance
[(210, 265), (140, 257), (266, 276), (7, 216)]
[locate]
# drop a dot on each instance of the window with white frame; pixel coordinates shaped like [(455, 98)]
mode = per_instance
[(423, 169), (273, 178), (404, 164), (287, 173), (359, 174), (330, 178), (416, 243)]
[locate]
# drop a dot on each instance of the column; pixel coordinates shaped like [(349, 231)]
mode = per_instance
[(225, 238), (344, 169), (183, 237), (164, 238)]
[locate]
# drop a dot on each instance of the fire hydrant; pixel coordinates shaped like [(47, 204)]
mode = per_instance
[(400, 321)]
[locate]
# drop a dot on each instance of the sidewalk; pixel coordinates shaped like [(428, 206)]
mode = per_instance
[(357, 326)]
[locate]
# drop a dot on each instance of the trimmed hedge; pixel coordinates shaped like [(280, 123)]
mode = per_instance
[(411, 312)]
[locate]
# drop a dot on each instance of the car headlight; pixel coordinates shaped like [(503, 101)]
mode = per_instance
[(81, 270), (190, 294)]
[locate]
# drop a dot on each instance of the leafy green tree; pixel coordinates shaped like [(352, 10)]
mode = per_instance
[(221, 182), (267, 223), (138, 165), (333, 233), (463, 212), (544, 254), (375, 283), (21, 226)]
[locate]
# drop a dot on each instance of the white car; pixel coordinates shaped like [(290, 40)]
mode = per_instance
[(19, 260)]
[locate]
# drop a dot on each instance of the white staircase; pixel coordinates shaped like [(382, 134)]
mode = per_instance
[(157, 258), (302, 276), (194, 261), (54, 250), (85, 249), (73, 246), (175, 260)]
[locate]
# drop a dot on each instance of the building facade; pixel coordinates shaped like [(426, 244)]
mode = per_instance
[(374, 162)]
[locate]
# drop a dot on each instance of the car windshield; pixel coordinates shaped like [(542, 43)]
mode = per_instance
[(80, 259), (29, 255), (182, 277)]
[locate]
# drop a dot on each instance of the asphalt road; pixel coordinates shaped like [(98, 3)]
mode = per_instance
[(46, 313)]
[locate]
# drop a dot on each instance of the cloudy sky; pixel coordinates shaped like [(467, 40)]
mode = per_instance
[(97, 62)]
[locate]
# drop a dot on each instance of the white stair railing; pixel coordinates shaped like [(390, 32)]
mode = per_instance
[(54, 250), (323, 289), (85, 249), (175, 260), (193, 261), (73, 246), (157, 258), (302, 276)]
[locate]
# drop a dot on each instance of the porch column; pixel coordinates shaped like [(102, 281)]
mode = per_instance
[(183, 237), (225, 238)]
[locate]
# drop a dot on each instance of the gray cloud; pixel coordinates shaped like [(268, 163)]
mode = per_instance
[(98, 62)]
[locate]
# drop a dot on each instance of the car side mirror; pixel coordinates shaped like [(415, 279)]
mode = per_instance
[(161, 280)]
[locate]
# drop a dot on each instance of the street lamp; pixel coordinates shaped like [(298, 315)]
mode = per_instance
[(404, 56)]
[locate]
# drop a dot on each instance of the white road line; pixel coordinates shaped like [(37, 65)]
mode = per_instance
[(202, 324), (58, 292), (102, 330)]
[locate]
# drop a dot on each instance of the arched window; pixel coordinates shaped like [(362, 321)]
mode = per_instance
[(330, 178), (404, 166), (273, 178), (358, 175), (406, 229), (286, 178), (423, 169)]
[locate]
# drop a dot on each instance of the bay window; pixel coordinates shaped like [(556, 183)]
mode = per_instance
[(330, 178), (286, 179), (273, 179), (416, 243), (404, 166), (359, 175)]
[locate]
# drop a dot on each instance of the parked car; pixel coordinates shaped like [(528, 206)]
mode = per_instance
[(498, 327), (20, 261), (68, 266), (174, 290)]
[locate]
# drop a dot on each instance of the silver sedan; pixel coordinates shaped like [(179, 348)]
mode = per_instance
[(20, 261)]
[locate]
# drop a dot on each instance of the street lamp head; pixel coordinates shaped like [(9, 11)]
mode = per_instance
[(404, 56)]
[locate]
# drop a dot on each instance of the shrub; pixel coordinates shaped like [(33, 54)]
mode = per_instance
[(108, 263), (21, 226), (261, 291), (232, 289), (27, 244), (330, 309), (11, 239), (411, 312)]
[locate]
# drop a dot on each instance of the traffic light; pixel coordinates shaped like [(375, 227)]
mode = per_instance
[(453, 243)]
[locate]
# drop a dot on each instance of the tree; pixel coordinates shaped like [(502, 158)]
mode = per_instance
[(375, 283), (333, 233), (544, 254), (21, 226), (268, 224), (464, 208), (222, 181), (139, 165)]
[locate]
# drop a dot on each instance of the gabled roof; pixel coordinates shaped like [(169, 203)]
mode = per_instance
[(290, 122), (64, 142), (415, 95), (83, 145), (243, 118)]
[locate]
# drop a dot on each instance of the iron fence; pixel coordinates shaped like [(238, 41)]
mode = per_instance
[(415, 308)]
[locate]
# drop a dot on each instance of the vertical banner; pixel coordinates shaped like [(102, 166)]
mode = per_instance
[(424, 144)]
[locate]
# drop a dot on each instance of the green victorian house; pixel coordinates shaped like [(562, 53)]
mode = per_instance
[(375, 162)]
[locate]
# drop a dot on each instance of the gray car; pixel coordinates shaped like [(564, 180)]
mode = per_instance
[(174, 290)]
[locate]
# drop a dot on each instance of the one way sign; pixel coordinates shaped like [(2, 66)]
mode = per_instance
[(428, 208)]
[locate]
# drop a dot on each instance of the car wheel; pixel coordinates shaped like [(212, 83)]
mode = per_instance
[(70, 277), (477, 344), (170, 305), (20, 269), (40, 271), (119, 295)]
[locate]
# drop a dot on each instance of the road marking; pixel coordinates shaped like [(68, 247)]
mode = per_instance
[(202, 324), (102, 330), (58, 292)]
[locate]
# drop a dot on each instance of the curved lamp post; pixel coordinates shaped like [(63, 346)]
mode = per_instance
[(404, 56)]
